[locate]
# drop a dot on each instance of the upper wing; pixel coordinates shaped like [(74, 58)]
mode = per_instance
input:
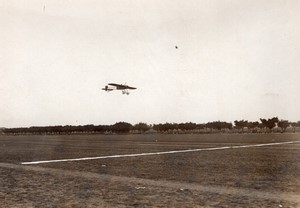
[(116, 85), (120, 86), (131, 88)]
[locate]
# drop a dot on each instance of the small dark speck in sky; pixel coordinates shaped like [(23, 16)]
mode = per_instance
[(176, 47)]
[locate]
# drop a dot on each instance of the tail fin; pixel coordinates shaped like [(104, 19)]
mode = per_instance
[(105, 88)]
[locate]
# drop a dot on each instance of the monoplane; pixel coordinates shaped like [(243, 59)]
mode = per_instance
[(112, 86)]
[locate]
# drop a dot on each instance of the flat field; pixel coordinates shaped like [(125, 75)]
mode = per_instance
[(225, 170)]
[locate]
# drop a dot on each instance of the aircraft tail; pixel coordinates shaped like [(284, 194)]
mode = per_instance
[(107, 89)]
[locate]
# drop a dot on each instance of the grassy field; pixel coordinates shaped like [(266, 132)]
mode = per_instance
[(266, 176)]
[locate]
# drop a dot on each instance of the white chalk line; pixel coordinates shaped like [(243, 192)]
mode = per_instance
[(157, 153)]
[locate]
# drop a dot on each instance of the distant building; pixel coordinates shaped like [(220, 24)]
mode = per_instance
[(151, 131)]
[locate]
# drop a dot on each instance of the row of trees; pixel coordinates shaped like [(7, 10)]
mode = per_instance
[(266, 123), (120, 127), (124, 127), (192, 126)]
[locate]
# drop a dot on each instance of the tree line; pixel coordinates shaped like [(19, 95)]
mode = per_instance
[(124, 127)]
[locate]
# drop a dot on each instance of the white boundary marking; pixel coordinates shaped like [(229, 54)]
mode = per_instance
[(158, 153)]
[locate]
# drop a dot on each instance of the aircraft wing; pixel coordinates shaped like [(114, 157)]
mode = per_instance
[(115, 85), (131, 88), (120, 86)]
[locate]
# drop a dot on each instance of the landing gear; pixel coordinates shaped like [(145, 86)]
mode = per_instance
[(125, 92)]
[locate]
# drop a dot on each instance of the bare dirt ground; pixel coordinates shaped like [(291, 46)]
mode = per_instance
[(265, 176)]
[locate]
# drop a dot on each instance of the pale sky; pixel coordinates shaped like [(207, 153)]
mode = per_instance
[(236, 59)]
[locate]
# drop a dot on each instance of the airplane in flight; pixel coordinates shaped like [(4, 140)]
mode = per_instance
[(112, 86)]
